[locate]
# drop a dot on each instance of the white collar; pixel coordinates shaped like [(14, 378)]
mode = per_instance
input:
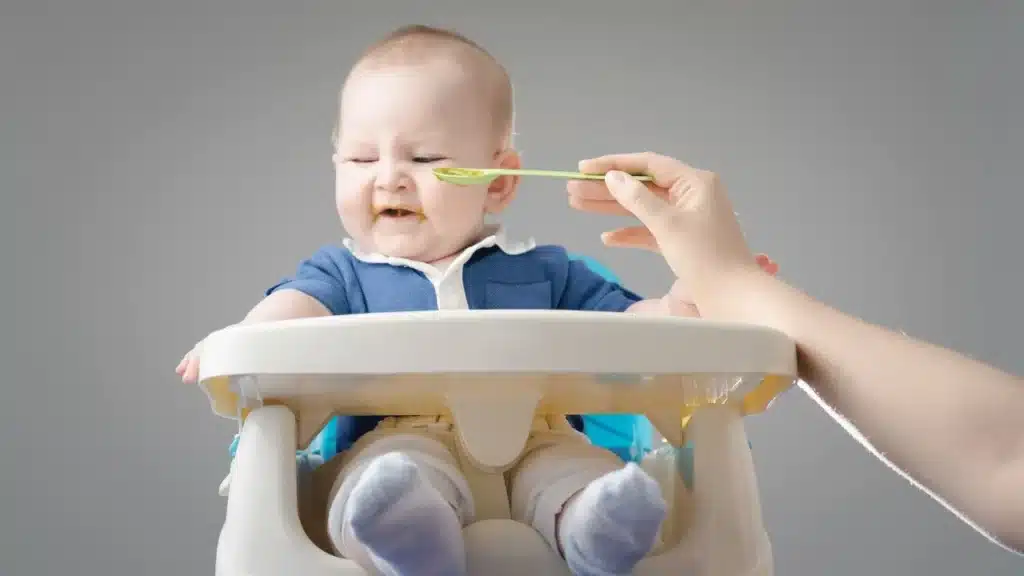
[(495, 235)]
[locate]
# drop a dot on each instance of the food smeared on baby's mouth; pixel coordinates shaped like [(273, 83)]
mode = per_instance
[(399, 213)]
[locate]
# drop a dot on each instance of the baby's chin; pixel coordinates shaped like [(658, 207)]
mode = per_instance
[(407, 246)]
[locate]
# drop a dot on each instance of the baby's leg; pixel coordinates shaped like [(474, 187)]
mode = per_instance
[(602, 517), (399, 506)]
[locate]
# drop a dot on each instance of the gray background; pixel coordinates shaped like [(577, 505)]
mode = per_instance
[(163, 162)]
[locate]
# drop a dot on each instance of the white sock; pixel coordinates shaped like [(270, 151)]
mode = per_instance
[(404, 523), (612, 524)]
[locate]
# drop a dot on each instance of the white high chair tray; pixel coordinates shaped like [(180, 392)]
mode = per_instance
[(496, 341), (413, 362)]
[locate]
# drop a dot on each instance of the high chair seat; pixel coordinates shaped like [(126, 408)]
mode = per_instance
[(492, 372)]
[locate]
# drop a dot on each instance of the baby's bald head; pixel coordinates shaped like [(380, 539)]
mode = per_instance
[(423, 46)]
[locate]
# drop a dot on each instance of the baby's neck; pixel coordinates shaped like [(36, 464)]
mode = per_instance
[(442, 264)]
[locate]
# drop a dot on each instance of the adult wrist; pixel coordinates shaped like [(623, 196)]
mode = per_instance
[(735, 295)]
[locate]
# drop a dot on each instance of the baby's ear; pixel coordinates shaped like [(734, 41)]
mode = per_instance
[(501, 192)]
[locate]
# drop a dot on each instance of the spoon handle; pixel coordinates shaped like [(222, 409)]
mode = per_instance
[(554, 174), (550, 173)]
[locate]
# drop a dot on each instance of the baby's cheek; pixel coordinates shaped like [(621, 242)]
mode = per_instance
[(354, 214), (452, 220), (459, 202)]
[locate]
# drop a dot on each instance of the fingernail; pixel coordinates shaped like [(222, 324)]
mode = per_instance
[(615, 176)]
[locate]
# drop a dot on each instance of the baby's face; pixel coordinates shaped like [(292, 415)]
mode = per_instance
[(396, 125)]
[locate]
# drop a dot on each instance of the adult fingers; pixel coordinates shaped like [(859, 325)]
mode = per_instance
[(607, 207), (631, 237), (635, 197), (589, 189), (681, 309), (767, 264), (598, 190), (663, 169)]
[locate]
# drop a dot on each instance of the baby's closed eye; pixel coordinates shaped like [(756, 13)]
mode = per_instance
[(428, 158)]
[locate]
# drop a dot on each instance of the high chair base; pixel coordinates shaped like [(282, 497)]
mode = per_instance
[(263, 535), (284, 380)]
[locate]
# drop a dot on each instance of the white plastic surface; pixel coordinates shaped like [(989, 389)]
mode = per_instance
[(263, 536), (492, 370)]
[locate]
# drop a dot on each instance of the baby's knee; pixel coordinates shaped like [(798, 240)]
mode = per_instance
[(549, 475), (432, 457)]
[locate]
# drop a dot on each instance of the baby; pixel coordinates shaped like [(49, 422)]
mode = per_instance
[(420, 99)]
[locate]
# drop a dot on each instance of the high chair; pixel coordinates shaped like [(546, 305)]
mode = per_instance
[(491, 372)]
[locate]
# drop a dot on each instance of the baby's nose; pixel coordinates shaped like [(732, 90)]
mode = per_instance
[(391, 177)]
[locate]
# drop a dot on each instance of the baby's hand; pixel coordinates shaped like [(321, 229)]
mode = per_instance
[(188, 368)]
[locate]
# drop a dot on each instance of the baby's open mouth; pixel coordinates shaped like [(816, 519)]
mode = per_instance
[(399, 213), (396, 212)]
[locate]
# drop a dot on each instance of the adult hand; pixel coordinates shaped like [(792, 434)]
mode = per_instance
[(681, 302), (685, 215)]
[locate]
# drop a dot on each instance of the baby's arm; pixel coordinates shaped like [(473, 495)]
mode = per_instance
[(316, 289), (284, 304)]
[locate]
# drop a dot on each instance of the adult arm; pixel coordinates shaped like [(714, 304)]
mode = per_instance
[(950, 424)]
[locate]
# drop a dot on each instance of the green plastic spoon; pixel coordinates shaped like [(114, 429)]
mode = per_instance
[(474, 176)]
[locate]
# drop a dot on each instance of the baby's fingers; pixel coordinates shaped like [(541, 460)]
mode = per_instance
[(191, 373)]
